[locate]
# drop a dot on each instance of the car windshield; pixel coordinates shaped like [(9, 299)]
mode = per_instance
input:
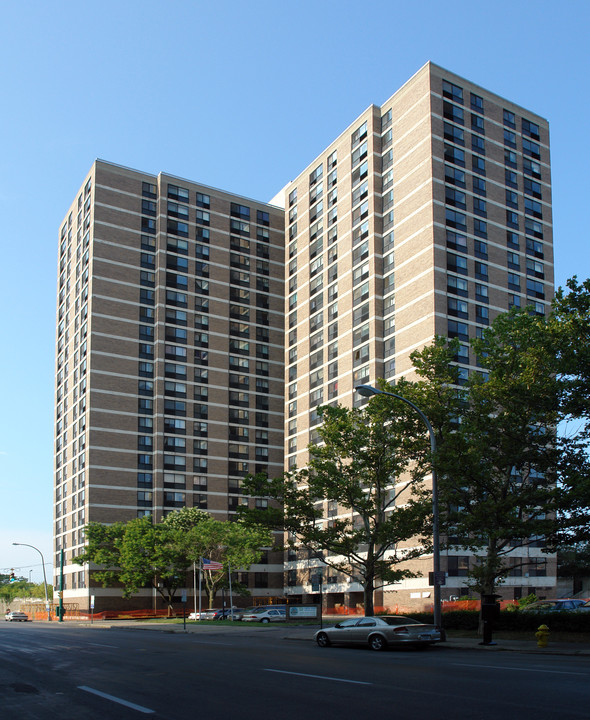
[(400, 621)]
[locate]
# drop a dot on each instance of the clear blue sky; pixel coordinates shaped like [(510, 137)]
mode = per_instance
[(236, 95)]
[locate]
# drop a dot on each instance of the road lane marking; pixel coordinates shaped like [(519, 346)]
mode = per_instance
[(502, 667), (318, 677), (101, 645), (128, 704)]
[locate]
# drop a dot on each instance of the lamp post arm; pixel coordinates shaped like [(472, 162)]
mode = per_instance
[(44, 575), (368, 391)]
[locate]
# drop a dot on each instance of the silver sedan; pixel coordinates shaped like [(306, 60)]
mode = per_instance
[(379, 632)]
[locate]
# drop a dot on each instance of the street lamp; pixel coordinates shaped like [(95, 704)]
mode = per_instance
[(44, 576), (369, 391)]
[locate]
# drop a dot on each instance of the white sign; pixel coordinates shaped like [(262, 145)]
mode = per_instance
[(301, 611), (92, 602)]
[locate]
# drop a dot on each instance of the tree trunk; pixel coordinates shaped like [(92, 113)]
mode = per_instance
[(369, 590)]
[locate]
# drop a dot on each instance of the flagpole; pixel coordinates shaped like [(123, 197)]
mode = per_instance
[(231, 601), (200, 575), (195, 586)]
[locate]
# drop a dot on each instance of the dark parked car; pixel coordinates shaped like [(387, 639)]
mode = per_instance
[(379, 632)]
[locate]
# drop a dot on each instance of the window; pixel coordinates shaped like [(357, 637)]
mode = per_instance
[(510, 158), (456, 263), (482, 315), (513, 260), (509, 119), (478, 164), (458, 330), (509, 139), (533, 207), (481, 293), (512, 240), (479, 185), (458, 565), (535, 268), (532, 188), (454, 176), (457, 285), (535, 289), (480, 228), (148, 190), (148, 207), (530, 167), (454, 134), (479, 207), (477, 124), (481, 271), (510, 178), (478, 144), (455, 241), (512, 219), (454, 155), (453, 92), (455, 197), (531, 149), (531, 129), (457, 308), (480, 249), (513, 282), (455, 219)]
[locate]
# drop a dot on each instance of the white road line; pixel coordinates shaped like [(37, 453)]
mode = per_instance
[(101, 645), (318, 677), (131, 705), (535, 670)]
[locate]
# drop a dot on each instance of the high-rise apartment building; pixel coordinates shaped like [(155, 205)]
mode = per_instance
[(169, 385), (428, 216)]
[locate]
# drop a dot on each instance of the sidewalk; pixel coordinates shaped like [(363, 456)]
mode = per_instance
[(306, 634)]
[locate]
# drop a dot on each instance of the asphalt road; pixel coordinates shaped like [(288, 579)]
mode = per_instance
[(60, 671)]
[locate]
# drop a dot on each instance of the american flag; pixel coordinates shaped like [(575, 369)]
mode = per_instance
[(211, 564)]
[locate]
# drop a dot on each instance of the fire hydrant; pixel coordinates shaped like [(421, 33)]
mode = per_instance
[(542, 636)]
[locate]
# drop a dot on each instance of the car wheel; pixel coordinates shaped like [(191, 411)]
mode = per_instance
[(265, 620), (377, 642), (323, 640)]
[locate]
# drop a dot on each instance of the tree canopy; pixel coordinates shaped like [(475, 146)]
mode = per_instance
[(511, 474), (359, 501), (139, 553)]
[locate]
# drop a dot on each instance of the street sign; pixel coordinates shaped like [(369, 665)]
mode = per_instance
[(183, 596), (92, 602)]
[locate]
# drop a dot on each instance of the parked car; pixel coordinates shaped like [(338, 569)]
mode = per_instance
[(379, 632), (265, 615), (553, 605), (585, 607), (16, 616)]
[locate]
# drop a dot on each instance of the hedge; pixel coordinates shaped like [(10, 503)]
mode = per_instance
[(515, 620)]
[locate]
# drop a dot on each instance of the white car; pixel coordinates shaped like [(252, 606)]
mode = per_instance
[(16, 616), (379, 632), (265, 615)]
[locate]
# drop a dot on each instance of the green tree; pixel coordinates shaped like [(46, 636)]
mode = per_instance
[(569, 331), (233, 544), (501, 462), (369, 464), (139, 553), (136, 554)]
